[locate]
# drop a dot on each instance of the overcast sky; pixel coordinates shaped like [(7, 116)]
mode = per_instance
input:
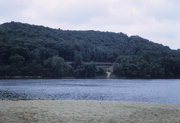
[(156, 20)]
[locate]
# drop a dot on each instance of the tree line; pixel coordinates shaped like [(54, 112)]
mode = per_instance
[(30, 50), (147, 67)]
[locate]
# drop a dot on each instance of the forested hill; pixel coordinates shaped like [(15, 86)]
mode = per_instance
[(91, 45), (33, 47)]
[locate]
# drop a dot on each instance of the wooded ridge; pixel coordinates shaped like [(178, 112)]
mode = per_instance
[(30, 50)]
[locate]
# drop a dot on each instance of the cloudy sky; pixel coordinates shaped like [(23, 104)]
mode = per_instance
[(156, 20)]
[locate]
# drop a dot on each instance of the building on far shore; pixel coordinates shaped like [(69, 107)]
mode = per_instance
[(106, 66)]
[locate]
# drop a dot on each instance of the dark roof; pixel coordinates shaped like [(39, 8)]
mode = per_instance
[(98, 63)]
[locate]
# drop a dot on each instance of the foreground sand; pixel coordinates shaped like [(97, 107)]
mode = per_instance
[(53, 111)]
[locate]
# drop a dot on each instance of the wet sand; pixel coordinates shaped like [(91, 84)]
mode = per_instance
[(57, 111)]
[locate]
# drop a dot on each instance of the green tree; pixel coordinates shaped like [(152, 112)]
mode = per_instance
[(17, 60), (56, 66), (77, 59), (84, 71)]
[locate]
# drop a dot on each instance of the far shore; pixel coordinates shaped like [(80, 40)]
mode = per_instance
[(71, 111), (71, 77)]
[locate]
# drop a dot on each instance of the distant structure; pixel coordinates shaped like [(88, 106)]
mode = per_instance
[(106, 66)]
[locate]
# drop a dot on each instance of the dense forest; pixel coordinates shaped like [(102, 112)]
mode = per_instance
[(30, 50)]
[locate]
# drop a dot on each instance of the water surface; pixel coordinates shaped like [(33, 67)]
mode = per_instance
[(163, 91)]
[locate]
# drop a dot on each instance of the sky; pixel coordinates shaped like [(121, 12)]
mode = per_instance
[(156, 20)]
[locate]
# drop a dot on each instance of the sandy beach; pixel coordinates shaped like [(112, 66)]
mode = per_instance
[(57, 111)]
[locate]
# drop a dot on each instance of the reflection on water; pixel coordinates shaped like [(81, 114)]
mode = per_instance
[(164, 91)]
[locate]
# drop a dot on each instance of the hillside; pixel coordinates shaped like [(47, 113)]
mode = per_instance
[(35, 48)]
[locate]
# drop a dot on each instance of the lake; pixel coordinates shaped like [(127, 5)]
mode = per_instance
[(140, 90)]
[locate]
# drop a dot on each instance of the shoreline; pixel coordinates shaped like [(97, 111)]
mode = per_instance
[(98, 77), (83, 111)]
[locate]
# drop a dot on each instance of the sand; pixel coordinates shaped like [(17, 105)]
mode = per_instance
[(54, 111)]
